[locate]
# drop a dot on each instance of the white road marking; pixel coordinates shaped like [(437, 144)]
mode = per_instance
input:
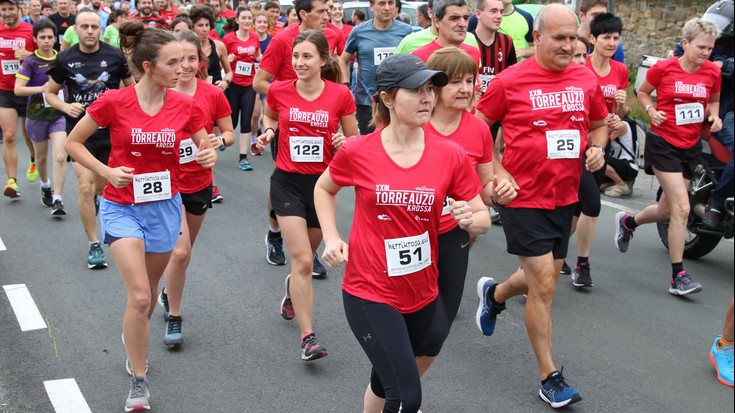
[(618, 206), (2, 246), (29, 318), (66, 397)]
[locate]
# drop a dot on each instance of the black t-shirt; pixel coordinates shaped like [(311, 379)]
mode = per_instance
[(62, 23), (88, 75)]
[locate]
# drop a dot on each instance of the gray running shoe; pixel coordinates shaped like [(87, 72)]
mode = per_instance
[(287, 311), (173, 337), (683, 285), (581, 277), (623, 234), (138, 398), (96, 257)]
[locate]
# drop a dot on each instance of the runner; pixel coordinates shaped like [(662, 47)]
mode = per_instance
[(308, 114), (688, 93), (390, 291), (243, 49), (141, 206), (17, 44), (371, 42), (261, 26), (195, 182), (545, 143), (81, 69), (450, 21), (417, 39), (44, 123), (588, 10), (63, 19), (496, 48), (518, 24), (272, 9), (147, 15), (202, 18)]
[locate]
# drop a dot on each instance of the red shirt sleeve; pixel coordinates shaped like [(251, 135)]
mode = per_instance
[(272, 59), (102, 111), (598, 108), (197, 119), (492, 104), (340, 169)]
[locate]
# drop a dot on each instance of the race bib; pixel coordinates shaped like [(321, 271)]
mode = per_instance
[(407, 255), (11, 67), (187, 151), (686, 113), (380, 53), (307, 148), (243, 68), (154, 186), (446, 207), (61, 96), (562, 144), (485, 81)]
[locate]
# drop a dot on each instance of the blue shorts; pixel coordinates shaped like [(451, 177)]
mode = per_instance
[(157, 223)]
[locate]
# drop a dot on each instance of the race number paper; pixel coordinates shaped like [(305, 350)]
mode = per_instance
[(407, 255), (154, 186), (562, 144), (307, 148)]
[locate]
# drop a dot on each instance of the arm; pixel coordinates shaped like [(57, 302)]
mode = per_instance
[(226, 132), (22, 90), (344, 65), (713, 112), (261, 83), (644, 97), (207, 156), (73, 110), (270, 123), (504, 186), (472, 216), (325, 203), (485, 173), (597, 135), (527, 52), (225, 63)]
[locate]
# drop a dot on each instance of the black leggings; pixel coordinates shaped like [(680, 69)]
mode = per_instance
[(242, 102), (589, 193), (452, 265), (390, 340)]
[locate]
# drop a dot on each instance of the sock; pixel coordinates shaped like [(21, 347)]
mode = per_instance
[(95, 242), (630, 222), (55, 198), (46, 184), (723, 343), (676, 268), (491, 295), (243, 156), (583, 262), (274, 231), (33, 160), (303, 336)]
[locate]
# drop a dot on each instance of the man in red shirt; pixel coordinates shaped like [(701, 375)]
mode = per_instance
[(450, 19), (553, 113), (166, 10), (16, 43), (148, 16)]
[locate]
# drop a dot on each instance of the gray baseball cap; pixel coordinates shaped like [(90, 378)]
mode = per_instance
[(406, 71)]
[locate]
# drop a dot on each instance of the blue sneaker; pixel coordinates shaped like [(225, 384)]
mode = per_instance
[(557, 392), (245, 165), (683, 285), (722, 360), (488, 310), (96, 257), (173, 337)]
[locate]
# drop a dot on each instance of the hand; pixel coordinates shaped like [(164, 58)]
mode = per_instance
[(74, 110), (222, 84), (716, 123), (338, 140), (595, 159), (621, 97), (206, 157), (335, 252), (22, 54), (657, 117), (230, 57), (264, 139), (504, 190), (461, 212), (120, 177), (612, 121), (214, 141)]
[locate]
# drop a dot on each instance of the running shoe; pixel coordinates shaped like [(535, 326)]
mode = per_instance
[(216, 196), (274, 250), (623, 233), (683, 285), (96, 257), (565, 268), (47, 196), (173, 337), (32, 172), (11, 189), (245, 165), (58, 208), (557, 392), (319, 271), (712, 217), (286, 305), (138, 398), (255, 150), (163, 302), (488, 310), (722, 360), (581, 277), (311, 349)]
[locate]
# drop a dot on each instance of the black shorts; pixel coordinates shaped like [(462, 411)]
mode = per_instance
[(292, 195), (10, 101), (668, 158), (624, 168), (198, 202), (533, 232), (99, 148)]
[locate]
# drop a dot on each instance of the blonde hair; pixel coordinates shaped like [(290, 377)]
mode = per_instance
[(455, 62), (697, 25)]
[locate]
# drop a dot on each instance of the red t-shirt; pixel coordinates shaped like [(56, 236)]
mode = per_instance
[(684, 97), (213, 103), (425, 52), (169, 15), (11, 40), (341, 39), (272, 31), (245, 51), (227, 13), (277, 58), (545, 118), (149, 144), (306, 126), (153, 20), (393, 240), (474, 136), (616, 80)]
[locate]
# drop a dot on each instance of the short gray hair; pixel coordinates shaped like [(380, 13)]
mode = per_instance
[(539, 24), (440, 6), (697, 25)]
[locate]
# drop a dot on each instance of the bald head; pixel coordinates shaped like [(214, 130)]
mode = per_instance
[(555, 37), (554, 14)]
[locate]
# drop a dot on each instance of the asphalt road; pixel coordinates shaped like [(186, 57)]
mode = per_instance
[(626, 344)]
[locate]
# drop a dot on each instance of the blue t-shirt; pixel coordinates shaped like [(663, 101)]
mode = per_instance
[(264, 43), (372, 46)]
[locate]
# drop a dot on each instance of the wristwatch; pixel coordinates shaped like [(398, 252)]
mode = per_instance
[(648, 107), (599, 147)]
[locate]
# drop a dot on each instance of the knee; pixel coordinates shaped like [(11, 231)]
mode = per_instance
[(86, 190), (59, 158), (40, 157), (438, 333), (9, 138), (592, 207), (140, 301), (544, 286), (680, 210), (410, 402), (302, 264), (181, 255)]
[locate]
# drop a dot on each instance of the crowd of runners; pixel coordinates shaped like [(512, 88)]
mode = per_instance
[(480, 117)]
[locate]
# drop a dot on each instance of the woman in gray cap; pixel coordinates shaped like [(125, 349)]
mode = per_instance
[(401, 177)]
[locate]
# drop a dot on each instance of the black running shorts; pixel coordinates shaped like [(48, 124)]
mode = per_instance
[(535, 232), (292, 194), (668, 158)]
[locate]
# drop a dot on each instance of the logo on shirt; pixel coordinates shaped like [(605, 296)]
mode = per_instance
[(570, 99), (609, 90), (697, 91), (103, 63), (539, 123), (384, 217), (166, 138), (245, 50), (74, 65), (15, 44), (418, 218), (576, 119), (500, 56), (318, 119), (419, 199)]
